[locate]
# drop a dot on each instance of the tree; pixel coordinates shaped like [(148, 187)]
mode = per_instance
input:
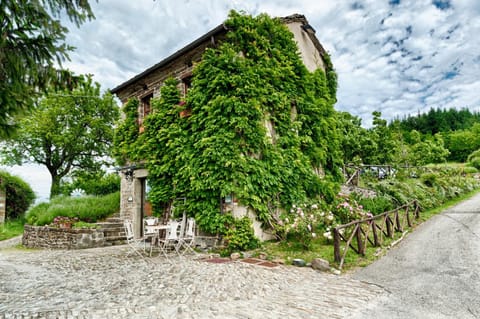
[(68, 131), (32, 49)]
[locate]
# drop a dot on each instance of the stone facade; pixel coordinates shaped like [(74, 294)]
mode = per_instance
[(61, 238)]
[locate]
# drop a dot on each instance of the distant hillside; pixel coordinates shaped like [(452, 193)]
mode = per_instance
[(438, 120)]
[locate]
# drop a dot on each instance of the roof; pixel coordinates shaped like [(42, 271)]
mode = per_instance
[(214, 32), (172, 57)]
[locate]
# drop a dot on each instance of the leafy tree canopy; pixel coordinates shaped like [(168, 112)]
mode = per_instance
[(32, 48), (68, 131)]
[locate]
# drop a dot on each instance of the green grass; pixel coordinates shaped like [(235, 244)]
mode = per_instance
[(87, 209), (11, 228)]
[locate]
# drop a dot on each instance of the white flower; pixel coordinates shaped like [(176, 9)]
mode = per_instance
[(309, 227), (314, 235), (286, 220), (322, 214), (314, 206), (294, 206), (330, 217), (291, 210)]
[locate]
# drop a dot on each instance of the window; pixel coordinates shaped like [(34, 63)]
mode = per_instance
[(146, 107), (186, 84)]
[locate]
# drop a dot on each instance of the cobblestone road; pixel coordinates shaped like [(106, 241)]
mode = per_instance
[(105, 283)]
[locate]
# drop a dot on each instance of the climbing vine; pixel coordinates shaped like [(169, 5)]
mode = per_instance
[(262, 127), (126, 134)]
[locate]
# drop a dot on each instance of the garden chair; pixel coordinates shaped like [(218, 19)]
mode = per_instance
[(171, 239), (133, 243), (149, 234), (188, 240)]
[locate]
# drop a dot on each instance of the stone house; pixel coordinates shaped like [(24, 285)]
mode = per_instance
[(146, 85)]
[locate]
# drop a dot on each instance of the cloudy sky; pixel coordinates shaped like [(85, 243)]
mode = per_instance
[(397, 56)]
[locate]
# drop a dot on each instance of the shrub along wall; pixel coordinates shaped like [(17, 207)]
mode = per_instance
[(62, 238)]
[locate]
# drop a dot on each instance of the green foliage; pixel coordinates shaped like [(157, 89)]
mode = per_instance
[(126, 133), (240, 236), (431, 150), (260, 126), (439, 120), (18, 193), (31, 47), (11, 228), (376, 205), (98, 183), (431, 190), (87, 209), (68, 131)]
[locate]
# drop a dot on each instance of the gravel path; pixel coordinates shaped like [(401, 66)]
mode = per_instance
[(105, 283)]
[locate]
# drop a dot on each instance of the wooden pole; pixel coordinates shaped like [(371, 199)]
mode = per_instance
[(336, 245)]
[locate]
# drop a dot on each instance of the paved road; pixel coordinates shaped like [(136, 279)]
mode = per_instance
[(434, 272)]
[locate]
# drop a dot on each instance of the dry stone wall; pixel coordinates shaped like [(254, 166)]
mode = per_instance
[(62, 238)]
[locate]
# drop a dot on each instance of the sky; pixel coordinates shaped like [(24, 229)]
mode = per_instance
[(399, 57)]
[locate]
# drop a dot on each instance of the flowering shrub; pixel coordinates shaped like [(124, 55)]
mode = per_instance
[(303, 223), (348, 210), (64, 221)]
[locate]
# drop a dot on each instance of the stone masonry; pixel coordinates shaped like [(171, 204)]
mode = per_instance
[(61, 238)]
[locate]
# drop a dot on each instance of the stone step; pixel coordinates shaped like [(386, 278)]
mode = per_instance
[(116, 238), (117, 220), (106, 225), (113, 233)]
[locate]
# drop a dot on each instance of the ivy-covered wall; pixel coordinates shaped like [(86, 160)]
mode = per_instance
[(261, 128)]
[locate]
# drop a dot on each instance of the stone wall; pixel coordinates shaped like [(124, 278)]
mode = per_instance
[(62, 238)]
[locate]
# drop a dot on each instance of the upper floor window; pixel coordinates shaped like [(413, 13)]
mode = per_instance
[(146, 107), (186, 85)]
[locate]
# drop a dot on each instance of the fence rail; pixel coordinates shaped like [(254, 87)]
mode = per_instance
[(358, 234)]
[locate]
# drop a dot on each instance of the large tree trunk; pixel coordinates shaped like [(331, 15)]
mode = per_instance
[(55, 188)]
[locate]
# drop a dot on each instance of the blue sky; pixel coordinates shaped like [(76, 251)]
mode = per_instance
[(396, 56)]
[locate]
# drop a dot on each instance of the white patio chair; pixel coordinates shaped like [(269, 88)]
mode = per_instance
[(134, 243), (188, 240), (171, 239), (149, 234)]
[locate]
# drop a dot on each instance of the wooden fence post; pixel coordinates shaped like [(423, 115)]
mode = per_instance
[(361, 247), (336, 245), (375, 235)]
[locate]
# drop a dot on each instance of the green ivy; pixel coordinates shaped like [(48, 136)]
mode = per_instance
[(255, 76), (126, 134)]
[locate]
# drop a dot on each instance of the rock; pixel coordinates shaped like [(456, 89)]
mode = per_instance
[(247, 254), (299, 262), (335, 271), (320, 264), (235, 256), (262, 256)]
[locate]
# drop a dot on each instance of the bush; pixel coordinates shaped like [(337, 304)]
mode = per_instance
[(377, 205), (19, 195), (240, 236), (87, 209)]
